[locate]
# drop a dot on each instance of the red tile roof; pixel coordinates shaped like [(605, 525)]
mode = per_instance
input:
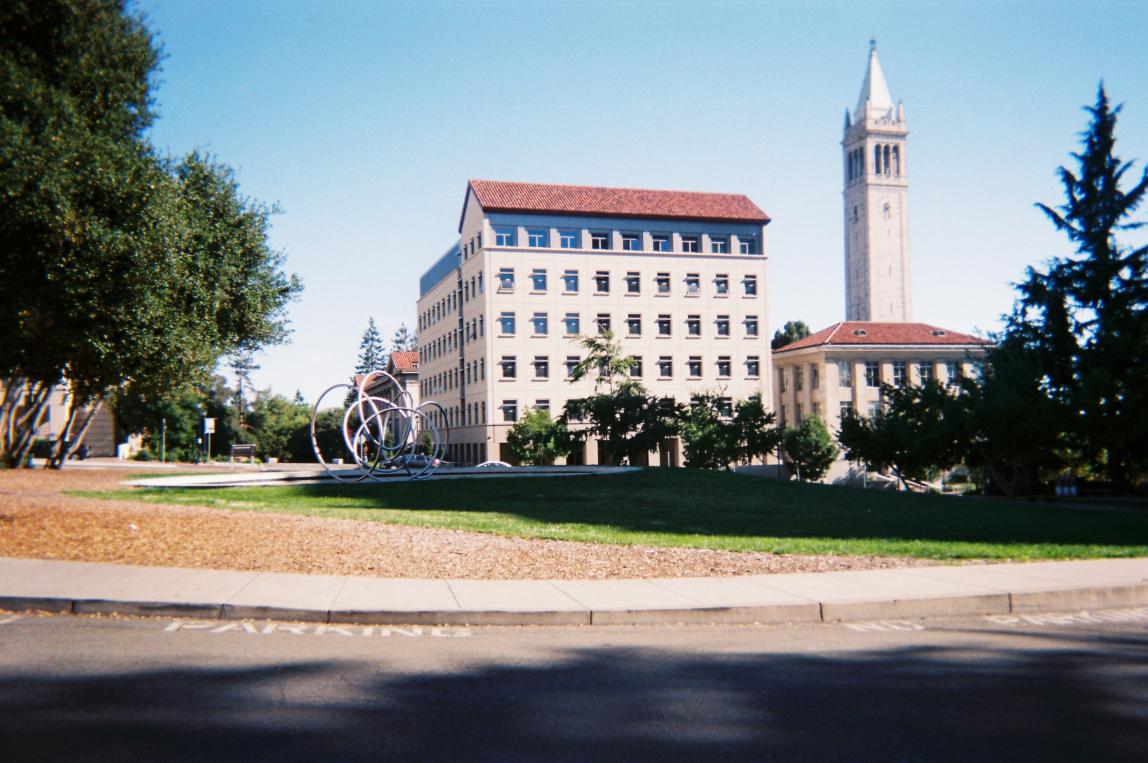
[(500, 196), (405, 361), (870, 333)]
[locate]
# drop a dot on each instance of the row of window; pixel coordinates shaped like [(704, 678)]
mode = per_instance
[(693, 367), (925, 370), (603, 322), (604, 240), (571, 283), (886, 162)]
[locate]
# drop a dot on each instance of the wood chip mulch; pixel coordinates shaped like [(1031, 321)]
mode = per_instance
[(37, 520)]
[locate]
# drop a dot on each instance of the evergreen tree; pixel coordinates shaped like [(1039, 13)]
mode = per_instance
[(1085, 317), (790, 333), (372, 353), (403, 340)]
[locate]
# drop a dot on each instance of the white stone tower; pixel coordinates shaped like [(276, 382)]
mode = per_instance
[(876, 204)]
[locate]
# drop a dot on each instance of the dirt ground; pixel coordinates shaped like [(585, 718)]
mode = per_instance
[(37, 520)]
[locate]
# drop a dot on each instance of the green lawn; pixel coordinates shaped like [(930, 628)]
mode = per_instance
[(676, 507)]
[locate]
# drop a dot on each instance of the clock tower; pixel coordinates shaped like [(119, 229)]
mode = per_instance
[(876, 199)]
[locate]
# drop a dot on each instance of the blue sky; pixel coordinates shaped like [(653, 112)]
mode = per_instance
[(363, 121)]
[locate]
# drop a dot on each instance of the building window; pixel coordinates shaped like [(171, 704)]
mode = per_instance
[(537, 237), (506, 279), (573, 324), (721, 284), (723, 367), (725, 407), (693, 284), (694, 367), (753, 367), (844, 408), (660, 243), (568, 239), (665, 367), (634, 324), (751, 325), (874, 408), (541, 324), (689, 243), (719, 245), (844, 374), (664, 328), (571, 365), (798, 378), (872, 373), (509, 367), (952, 373), (510, 410), (538, 280), (636, 368), (602, 321), (506, 323), (570, 281), (814, 377), (693, 325), (631, 242), (749, 284), (925, 372), (542, 405), (721, 324), (541, 367), (799, 414), (782, 380), (633, 283), (815, 409), (602, 282), (747, 245), (504, 236), (599, 240), (662, 283), (900, 375), (781, 416)]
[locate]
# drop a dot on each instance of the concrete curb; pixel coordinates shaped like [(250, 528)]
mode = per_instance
[(83, 588)]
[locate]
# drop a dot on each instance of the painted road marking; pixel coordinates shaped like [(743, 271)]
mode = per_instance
[(1083, 617), (322, 629), (9, 619), (885, 626)]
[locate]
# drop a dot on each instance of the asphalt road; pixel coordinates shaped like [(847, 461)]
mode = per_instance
[(1061, 687)]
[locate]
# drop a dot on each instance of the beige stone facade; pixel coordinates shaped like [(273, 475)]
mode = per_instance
[(501, 314)]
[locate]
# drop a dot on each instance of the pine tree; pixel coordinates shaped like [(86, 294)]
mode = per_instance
[(1085, 318), (403, 340), (372, 354)]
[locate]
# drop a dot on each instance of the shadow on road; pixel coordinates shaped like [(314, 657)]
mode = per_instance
[(633, 704)]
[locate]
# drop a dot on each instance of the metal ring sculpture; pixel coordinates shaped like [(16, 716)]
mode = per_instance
[(385, 438)]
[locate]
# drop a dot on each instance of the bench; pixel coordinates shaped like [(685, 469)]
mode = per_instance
[(243, 451)]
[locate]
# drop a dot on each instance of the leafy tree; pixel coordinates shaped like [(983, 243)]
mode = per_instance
[(758, 433), (538, 439), (120, 271), (1085, 317), (710, 437), (790, 333), (625, 418), (372, 353), (810, 448), (403, 340), (918, 430), (276, 421)]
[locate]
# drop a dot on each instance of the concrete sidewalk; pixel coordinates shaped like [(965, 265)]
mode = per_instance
[(83, 587)]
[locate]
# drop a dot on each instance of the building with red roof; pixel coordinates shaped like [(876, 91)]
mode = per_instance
[(678, 277)]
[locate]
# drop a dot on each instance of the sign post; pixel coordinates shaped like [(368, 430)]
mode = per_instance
[(208, 430)]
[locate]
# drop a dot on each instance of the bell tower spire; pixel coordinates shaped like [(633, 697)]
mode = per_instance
[(876, 197)]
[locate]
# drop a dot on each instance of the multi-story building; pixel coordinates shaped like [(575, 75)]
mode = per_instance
[(843, 366), (679, 278)]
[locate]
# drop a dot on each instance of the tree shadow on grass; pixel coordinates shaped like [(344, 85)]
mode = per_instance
[(714, 503), (629, 704)]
